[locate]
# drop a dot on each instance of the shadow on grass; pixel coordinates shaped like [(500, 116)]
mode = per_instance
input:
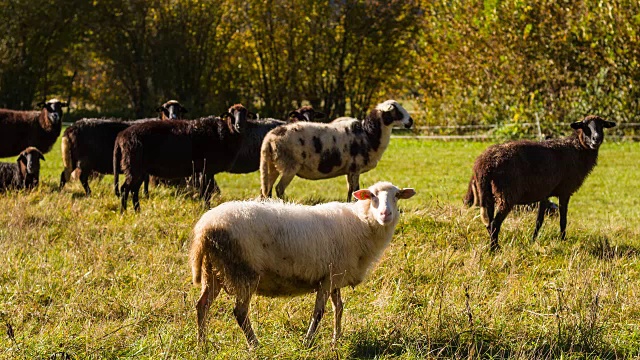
[(602, 249), (478, 345)]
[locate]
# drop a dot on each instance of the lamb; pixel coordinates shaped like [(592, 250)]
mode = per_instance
[(523, 172), (170, 149), (281, 249), (87, 145), (25, 173), (22, 129), (321, 151)]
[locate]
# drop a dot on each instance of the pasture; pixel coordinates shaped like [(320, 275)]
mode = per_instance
[(79, 280)]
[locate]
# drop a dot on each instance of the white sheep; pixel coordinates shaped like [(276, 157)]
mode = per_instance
[(277, 249), (322, 151)]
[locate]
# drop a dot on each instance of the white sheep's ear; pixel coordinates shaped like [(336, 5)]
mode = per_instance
[(405, 193), (363, 194)]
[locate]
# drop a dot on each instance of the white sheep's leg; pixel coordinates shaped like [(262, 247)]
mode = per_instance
[(353, 180), (210, 290), (336, 302), (318, 312), (285, 180), (241, 312)]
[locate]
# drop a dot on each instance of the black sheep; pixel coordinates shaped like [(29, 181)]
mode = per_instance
[(178, 148), (24, 173), (22, 129), (87, 145), (523, 172)]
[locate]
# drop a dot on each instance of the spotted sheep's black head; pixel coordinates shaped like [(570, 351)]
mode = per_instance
[(591, 131), (29, 166), (394, 114), (53, 109), (238, 115), (172, 110)]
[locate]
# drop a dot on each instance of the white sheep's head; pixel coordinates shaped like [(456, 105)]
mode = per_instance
[(53, 109), (383, 198), (171, 110), (394, 114)]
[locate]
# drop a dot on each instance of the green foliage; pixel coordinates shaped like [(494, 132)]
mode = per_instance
[(80, 279)]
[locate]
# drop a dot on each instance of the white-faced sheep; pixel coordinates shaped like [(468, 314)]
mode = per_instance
[(276, 249), (171, 149), (321, 151), (523, 172), (21, 129), (24, 173)]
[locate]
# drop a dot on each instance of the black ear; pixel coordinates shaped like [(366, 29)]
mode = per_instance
[(22, 159), (293, 114), (251, 115), (64, 104), (577, 125), (609, 124), (320, 115), (225, 114), (41, 156), (159, 109), (41, 104)]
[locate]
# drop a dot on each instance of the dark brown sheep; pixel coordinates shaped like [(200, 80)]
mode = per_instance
[(523, 172), (25, 173), (87, 145), (171, 110), (305, 113), (171, 149), (22, 129)]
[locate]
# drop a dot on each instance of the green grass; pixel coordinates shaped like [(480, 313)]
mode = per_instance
[(79, 279)]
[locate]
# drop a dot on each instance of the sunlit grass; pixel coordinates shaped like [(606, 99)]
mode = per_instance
[(78, 278)]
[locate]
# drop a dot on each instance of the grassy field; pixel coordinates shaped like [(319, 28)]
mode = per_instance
[(79, 280)]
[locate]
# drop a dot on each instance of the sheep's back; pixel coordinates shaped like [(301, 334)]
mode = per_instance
[(282, 242), (20, 129), (527, 171)]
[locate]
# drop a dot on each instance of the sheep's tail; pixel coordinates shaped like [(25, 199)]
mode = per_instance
[(484, 195), (67, 159), (471, 198), (197, 255), (266, 157), (117, 157)]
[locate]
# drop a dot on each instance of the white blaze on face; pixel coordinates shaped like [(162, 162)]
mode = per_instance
[(390, 104), (384, 207)]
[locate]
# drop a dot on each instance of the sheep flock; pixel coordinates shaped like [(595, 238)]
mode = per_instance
[(277, 247)]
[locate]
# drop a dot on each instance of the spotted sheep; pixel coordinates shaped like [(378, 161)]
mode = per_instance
[(24, 173), (87, 145), (22, 129), (522, 172), (278, 249), (321, 151)]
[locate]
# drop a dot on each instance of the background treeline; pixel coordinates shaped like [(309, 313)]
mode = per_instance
[(455, 62)]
